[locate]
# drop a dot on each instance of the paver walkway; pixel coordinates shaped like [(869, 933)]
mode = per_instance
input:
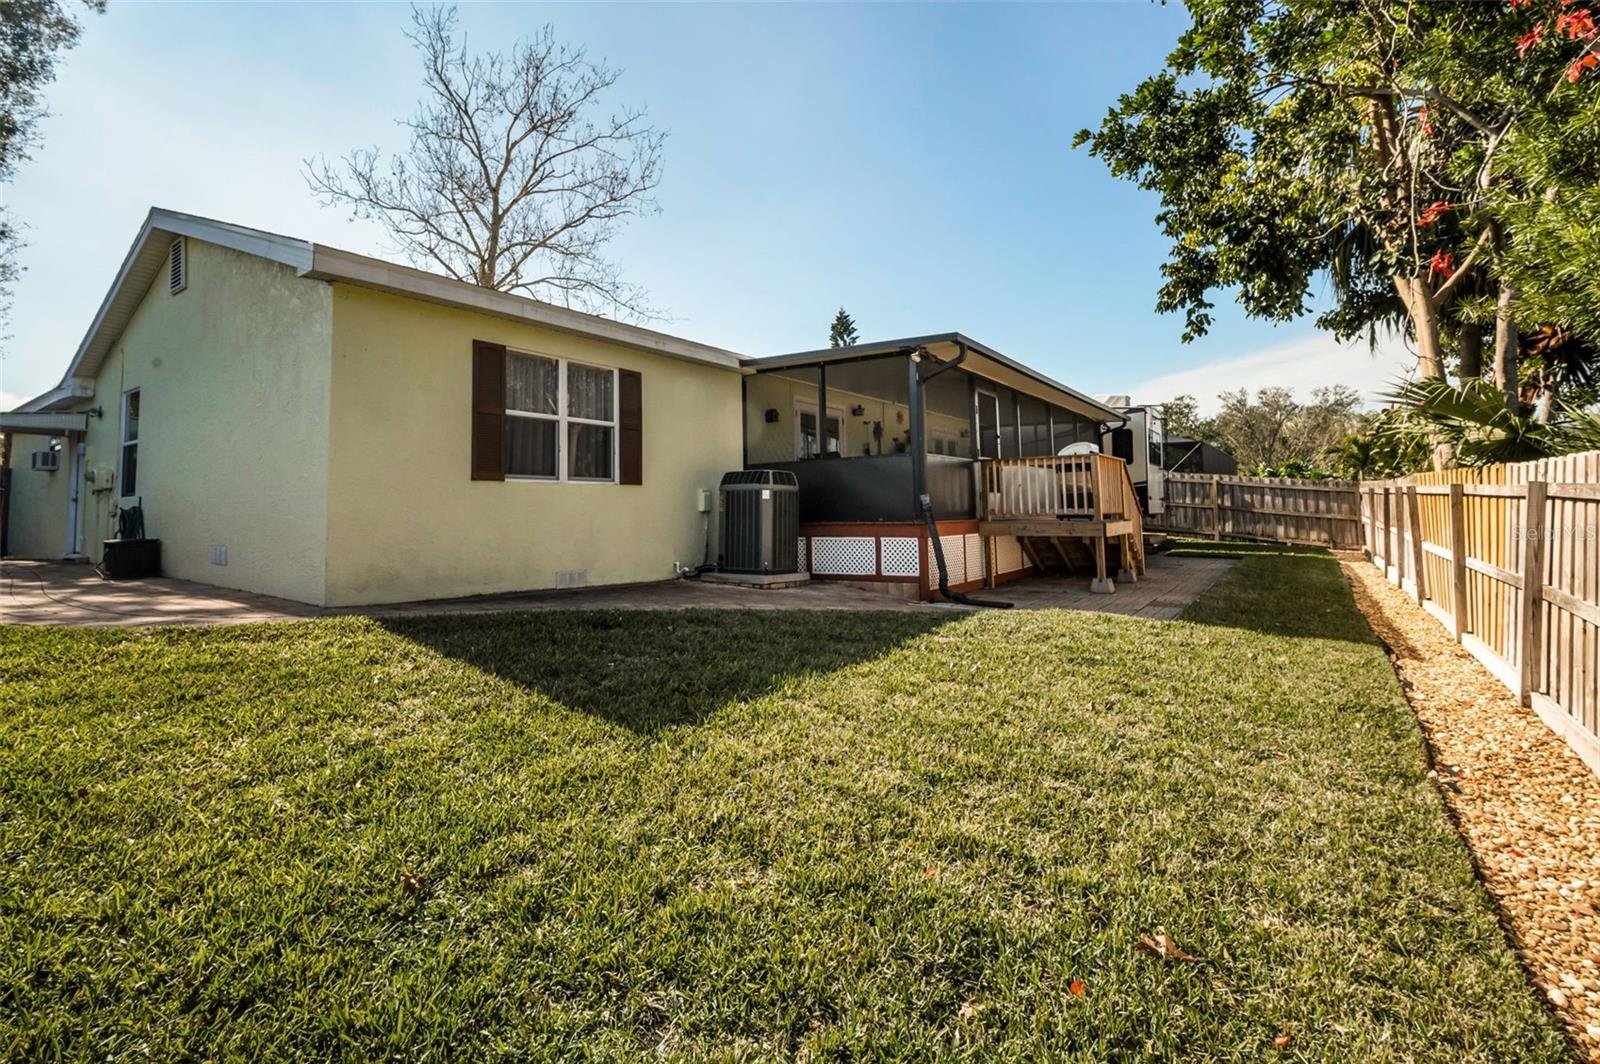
[(74, 595)]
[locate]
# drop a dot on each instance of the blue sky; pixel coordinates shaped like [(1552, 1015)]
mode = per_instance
[(911, 162)]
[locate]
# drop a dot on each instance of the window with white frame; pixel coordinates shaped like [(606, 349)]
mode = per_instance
[(807, 442), (128, 478), (561, 419)]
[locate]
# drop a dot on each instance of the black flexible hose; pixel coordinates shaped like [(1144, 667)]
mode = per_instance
[(944, 574)]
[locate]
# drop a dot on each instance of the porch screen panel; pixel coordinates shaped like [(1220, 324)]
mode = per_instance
[(1035, 427), (988, 405), (1087, 431), (1008, 423), (947, 405), (870, 397), (1073, 428), (780, 415)]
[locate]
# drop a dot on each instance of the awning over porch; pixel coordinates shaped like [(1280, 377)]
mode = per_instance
[(981, 361)]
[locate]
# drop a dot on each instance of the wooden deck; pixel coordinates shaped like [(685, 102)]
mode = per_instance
[(1072, 514)]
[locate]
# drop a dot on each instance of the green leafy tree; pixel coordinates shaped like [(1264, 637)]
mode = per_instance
[(1273, 428), (1377, 143), (1551, 159), (1182, 416), (1374, 452), (33, 33), (843, 332)]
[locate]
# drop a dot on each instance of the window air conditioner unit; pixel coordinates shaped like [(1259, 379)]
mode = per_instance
[(49, 461)]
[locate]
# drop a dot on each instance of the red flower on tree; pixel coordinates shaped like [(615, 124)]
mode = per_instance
[(1588, 62), (1530, 40), (1443, 263), (1577, 25), (1433, 212), (1427, 126)]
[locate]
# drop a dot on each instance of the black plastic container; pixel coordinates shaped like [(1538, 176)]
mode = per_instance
[(129, 559)]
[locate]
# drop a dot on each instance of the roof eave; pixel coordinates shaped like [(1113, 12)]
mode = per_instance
[(886, 347), (160, 226), (337, 265)]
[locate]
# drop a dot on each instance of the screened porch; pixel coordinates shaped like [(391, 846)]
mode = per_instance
[(868, 430), (841, 421)]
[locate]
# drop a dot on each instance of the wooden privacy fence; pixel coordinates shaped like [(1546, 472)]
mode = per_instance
[(1320, 513), (1508, 558)]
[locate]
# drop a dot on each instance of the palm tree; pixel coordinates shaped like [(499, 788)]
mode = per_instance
[(1472, 418)]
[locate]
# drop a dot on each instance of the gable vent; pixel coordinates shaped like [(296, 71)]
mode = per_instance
[(177, 268)]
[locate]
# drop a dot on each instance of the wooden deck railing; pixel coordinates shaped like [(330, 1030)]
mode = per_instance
[(1088, 495), (1094, 486)]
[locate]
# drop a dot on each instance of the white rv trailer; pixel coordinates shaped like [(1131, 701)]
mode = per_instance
[(1140, 441)]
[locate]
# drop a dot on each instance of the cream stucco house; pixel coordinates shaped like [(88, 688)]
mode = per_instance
[(306, 422), (301, 421)]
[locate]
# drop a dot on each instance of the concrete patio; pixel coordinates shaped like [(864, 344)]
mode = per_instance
[(55, 593)]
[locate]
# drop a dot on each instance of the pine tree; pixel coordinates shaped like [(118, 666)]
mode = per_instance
[(843, 333)]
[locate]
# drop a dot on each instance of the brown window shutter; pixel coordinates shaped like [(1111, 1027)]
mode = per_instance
[(630, 428), (488, 411)]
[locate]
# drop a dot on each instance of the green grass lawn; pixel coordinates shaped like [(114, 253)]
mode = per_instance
[(742, 835)]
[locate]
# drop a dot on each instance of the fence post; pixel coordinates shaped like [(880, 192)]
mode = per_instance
[(1388, 533), (1533, 540), (1216, 508), (1458, 560), (1414, 521), (1375, 509), (1397, 513), (1369, 523), (1394, 548)]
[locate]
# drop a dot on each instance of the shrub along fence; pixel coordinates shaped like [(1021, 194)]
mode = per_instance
[(1318, 513), (1508, 558)]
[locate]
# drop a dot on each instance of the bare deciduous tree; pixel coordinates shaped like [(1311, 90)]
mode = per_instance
[(516, 177)]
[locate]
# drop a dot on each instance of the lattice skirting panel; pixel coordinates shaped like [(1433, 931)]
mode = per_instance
[(973, 543), (899, 556), (1008, 555), (963, 558), (892, 557), (844, 556), (955, 560)]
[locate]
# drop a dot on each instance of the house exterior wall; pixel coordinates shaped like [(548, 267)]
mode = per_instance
[(233, 374), (405, 519), (37, 518)]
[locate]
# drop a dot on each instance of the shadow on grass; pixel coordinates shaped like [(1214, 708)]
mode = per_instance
[(1278, 590), (652, 669)]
